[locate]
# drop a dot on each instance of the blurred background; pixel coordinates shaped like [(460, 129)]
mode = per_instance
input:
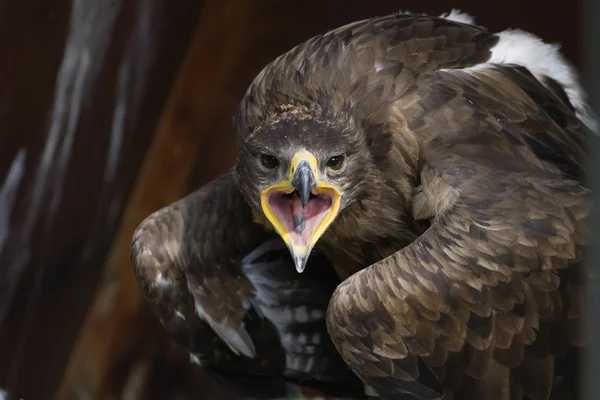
[(110, 109)]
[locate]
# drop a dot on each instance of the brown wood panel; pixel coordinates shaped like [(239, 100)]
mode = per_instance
[(114, 339), (72, 62)]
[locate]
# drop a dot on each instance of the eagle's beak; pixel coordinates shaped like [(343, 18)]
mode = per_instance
[(301, 207)]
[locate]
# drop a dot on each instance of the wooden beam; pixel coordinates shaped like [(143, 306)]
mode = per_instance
[(113, 323), (51, 258)]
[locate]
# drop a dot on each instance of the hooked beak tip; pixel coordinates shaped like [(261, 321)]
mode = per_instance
[(300, 262)]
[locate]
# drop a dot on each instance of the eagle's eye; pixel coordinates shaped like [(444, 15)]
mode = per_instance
[(335, 163), (268, 161)]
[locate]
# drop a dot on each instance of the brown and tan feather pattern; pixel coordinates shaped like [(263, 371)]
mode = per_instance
[(487, 303), (486, 284), (227, 291), (460, 233)]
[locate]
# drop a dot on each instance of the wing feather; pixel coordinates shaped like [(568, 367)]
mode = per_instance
[(492, 291), (199, 277), (502, 333), (503, 161), (228, 292)]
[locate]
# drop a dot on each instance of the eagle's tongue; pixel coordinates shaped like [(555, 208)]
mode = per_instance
[(299, 214)]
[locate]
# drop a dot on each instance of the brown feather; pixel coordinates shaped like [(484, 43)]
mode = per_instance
[(226, 291), (463, 217), (491, 157)]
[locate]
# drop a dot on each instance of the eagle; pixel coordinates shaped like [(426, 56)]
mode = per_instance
[(406, 218)]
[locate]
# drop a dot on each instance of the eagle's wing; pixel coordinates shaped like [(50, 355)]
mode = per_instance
[(227, 291), (482, 302), (491, 289)]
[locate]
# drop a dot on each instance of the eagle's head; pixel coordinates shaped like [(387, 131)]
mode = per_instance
[(301, 172)]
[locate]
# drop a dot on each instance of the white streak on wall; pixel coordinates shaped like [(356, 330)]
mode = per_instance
[(132, 73), (118, 125), (8, 194), (90, 31), (4, 395)]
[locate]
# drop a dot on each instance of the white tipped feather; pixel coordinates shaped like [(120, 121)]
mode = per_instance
[(516, 46), (543, 59), (194, 359), (238, 340), (459, 16), (525, 49)]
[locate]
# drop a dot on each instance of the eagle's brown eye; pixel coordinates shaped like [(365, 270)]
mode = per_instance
[(335, 163), (268, 161)]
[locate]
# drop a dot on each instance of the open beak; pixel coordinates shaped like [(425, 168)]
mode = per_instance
[(301, 207)]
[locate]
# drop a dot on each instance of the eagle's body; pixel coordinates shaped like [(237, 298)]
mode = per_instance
[(440, 170)]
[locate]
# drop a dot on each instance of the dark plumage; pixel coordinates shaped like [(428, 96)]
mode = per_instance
[(260, 321), (440, 170)]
